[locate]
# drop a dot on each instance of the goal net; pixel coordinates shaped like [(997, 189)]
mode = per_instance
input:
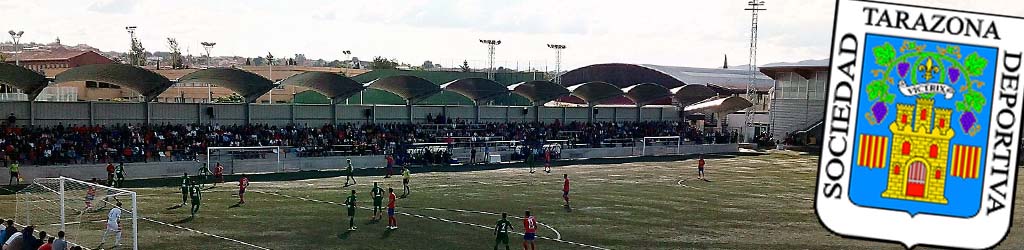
[(661, 145), (80, 209), (236, 160)]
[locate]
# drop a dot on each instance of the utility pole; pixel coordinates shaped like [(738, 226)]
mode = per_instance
[(16, 37), (490, 56), (209, 60), (754, 7), (558, 61)]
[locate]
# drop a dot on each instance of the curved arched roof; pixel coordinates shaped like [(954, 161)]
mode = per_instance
[(26, 80), (646, 93), (247, 84), (145, 82), (332, 85), (595, 92), (539, 92), (691, 94), (476, 89), (624, 75), (412, 89), (721, 105)]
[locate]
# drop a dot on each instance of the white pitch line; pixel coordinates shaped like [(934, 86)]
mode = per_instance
[(557, 234), (434, 218), (204, 233)]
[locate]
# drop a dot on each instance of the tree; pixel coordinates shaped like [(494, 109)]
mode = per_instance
[(383, 63), (176, 60), (465, 66), (248, 61), (233, 98), (138, 54), (335, 64), (300, 59), (259, 61)]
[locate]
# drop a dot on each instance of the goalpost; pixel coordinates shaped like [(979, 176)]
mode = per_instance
[(227, 156), (664, 141), (79, 209)]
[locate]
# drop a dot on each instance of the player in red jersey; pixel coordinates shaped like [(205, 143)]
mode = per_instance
[(218, 174), (530, 226), (700, 168), (565, 189), (547, 161), (392, 222), (242, 184)]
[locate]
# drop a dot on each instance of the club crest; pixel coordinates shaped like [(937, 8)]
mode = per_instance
[(922, 125), (917, 146)]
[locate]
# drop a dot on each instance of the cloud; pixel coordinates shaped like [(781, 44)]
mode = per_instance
[(113, 6)]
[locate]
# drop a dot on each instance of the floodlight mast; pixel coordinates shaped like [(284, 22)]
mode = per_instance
[(755, 6), (208, 46), (558, 61), (16, 38), (490, 55)]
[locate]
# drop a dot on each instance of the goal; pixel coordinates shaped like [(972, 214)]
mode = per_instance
[(661, 145), (260, 159), (78, 208)]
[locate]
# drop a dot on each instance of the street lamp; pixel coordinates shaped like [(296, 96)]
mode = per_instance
[(209, 60), (490, 55), (558, 61), (16, 36)]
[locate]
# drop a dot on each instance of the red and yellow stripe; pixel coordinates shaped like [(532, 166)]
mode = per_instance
[(872, 151), (965, 161)]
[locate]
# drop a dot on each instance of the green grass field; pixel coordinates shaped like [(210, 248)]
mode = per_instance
[(752, 202)]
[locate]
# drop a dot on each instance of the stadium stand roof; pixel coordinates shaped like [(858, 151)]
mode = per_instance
[(334, 86), (720, 105), (411, 88), (728, 78), (247, 84), (26, 80), (624, 75), (646, 93), (476, 89), (805, 69), (691, 94), (593, 93), (147, 83), (373, 96), (539, 92)]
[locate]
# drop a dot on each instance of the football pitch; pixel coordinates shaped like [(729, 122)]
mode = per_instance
[(750, 202)]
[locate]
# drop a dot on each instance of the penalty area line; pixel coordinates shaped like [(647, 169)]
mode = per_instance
[(204, 233), (434, 218)]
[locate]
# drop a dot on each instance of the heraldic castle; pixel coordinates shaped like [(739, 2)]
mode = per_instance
[(917, 171)]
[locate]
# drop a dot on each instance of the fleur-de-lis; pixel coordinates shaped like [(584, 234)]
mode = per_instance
[(929, 69)]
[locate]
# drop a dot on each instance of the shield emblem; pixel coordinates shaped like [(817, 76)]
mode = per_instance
[(922, 125), (918, 146)]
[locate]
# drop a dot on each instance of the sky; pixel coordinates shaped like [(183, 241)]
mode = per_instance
[(696, 33)]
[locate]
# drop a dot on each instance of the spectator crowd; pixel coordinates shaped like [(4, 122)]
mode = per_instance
[(48, 145)]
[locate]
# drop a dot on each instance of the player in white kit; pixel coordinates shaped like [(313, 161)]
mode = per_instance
[(113, 226)]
